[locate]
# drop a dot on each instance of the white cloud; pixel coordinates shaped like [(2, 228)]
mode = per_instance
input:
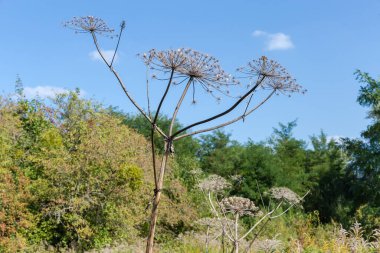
[(275, 41), (43, 91), (279, 41), (259, 33), (108, 54)]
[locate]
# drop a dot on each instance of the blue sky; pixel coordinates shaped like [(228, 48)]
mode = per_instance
[(321, 43)]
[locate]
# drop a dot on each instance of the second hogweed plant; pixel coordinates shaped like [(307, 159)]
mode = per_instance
[(235, 207), (189, 70)]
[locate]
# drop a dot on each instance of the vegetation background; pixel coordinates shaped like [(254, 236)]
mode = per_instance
[(75, 175)]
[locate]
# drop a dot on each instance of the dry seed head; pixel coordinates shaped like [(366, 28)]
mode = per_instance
[(90, 24), (187, 63), (165, 61), (285, 194), (276, 77), (267, 245), (214, 183), (205, 69), (239, 205)]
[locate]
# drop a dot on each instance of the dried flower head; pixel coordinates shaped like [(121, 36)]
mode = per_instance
[(214, 183), (239, 205), (89, 24), (165, 61), (267, 245), (187, 63), (285, 194), (205, 69), (275, 77)]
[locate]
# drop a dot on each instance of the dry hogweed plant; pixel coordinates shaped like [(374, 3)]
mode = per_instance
[(267, 245), (237, 207), (189, 69), (214, 230)]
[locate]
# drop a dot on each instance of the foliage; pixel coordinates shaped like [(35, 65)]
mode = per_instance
[(363, 171), (76, 176), (73, 175), (14, 217)]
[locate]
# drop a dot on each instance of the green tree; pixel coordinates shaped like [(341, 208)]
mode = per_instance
[(290, 157), (363, 170), (220, 155), (15, 219), (325, 168), (258, 170)]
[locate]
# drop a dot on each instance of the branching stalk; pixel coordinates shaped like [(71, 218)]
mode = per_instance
[(228, 122), (122, 85), (178, 106)]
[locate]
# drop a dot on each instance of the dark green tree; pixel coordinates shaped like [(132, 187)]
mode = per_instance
[(325, 169), (220, 155), (363, 170), (290, 156)]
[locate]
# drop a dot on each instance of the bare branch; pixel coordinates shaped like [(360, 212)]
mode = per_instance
[(256, 235), (163, 97), (276, 216), (98, 49), (261, 196), (122, 26), (122, 84), (217, 216), (267, 215), (147, 91), (179, 105), (228, 122), (153, 128), (222, 113), (225, 216), (153, 157)]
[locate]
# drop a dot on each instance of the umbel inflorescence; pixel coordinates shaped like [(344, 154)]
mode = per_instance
[(275, 76), (239, 205), (200, 68), (89, 24), (285, 194), (214, 183)]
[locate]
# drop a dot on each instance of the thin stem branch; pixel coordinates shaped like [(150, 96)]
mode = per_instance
[(98, 49), (257, 223), (123, 86), (261, 197), (178, 106), (222, 113), (236, 227), (256, 235), (154, 125), (225, 216), (163, 97), (153, 158), (217, 216), (228, 122), (147, 91), (246, 108), (287, 209), (118, 41)]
